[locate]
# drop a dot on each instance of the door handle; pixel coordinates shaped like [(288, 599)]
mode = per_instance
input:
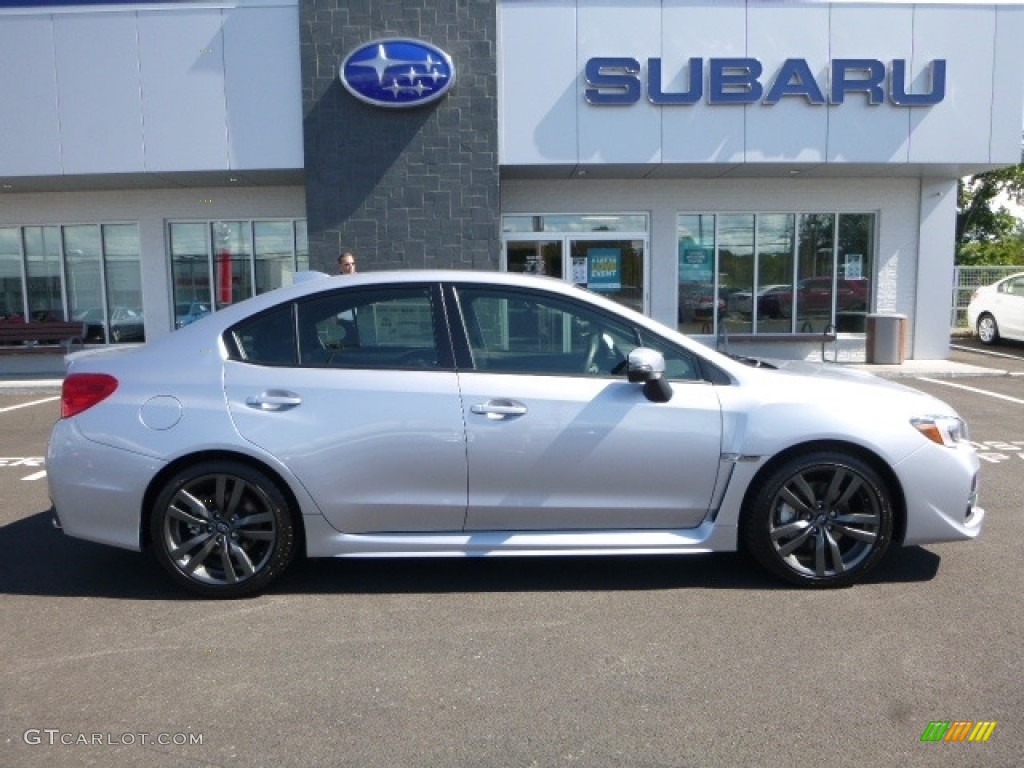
[(274, 400), (499, 409)]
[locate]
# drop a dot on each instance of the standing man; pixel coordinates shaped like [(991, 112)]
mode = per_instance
[(347, 263)]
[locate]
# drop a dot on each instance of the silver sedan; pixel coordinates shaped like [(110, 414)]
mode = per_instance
[(413, 414)]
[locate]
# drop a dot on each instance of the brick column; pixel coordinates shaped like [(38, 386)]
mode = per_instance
[(404, 189)]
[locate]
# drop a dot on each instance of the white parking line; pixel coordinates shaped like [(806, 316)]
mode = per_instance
[(972, 389), (26, 405), (989, 352), (35, 476)]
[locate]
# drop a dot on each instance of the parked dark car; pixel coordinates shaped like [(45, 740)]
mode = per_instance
[(814, 296), (126, 324)]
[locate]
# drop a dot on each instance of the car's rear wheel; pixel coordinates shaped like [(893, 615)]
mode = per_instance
[(222, 529), (988, 329), (823, 519)]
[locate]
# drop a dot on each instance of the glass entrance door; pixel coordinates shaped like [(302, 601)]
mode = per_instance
[(613, 267), (535, 257)]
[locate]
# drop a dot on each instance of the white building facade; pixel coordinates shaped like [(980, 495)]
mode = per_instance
[(733, 168)]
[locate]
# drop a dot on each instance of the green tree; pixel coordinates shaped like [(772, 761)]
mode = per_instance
[(986, 232)]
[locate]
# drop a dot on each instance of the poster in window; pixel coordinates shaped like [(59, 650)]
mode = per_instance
[(604, 269)]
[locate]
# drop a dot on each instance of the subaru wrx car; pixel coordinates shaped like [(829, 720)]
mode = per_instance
[(431, 413)]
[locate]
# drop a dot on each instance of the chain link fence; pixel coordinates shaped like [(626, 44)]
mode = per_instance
[(966, 279)]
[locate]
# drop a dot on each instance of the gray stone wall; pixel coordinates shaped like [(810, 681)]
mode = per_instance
[(411, 188)]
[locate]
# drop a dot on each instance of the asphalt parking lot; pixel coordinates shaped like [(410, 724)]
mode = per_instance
[(694, 661)]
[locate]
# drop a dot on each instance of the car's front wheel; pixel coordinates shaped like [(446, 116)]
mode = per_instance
[(222, 529), (988, 329), (823, 519)]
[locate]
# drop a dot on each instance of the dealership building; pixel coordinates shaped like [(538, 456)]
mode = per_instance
[(734, 169)]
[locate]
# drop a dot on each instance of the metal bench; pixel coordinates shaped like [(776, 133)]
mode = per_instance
[(827, 336), (41, 336)]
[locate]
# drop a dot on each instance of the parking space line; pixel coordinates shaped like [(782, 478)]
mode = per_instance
[(26, 405), (972, 389), (35, 475), (989, 352)]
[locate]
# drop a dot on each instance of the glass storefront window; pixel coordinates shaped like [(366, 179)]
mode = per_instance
[(775, 272), (12, 300), (534, 257), (301, 247), (274, 251), (83, 272), (613, 268), (85, 280), (696, 273), (218, 263), (736, 268), (43, 269), (122, 265), (812, 302), (574, 247), (589, 222), (190, 271), (855, 267), (232, 249)]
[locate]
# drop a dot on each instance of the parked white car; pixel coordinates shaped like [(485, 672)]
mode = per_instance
[(996, 311), (473, 414)]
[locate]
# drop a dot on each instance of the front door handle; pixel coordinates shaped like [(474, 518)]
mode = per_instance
[(499, 409), (274, 400)]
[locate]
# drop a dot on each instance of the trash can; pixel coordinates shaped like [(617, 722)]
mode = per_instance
[(886, 339)]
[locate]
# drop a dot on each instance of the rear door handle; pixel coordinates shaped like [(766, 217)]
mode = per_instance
[(499, 409), (274, 400)]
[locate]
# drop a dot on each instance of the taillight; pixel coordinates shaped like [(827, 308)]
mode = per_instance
[(84, 390)]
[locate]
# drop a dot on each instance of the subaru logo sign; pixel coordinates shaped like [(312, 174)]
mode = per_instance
[(397, 73)]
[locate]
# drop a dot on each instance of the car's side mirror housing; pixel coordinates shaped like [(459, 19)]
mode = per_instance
[(648, 366)]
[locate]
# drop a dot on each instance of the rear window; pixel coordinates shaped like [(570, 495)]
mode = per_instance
[(267, 338)]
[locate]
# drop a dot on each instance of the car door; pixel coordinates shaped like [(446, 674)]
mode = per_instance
[(355, 391), (1010, 308), (556, 436)]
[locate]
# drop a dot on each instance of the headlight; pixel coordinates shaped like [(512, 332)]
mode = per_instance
[(944, 430)]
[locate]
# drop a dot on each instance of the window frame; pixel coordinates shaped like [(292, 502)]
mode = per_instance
[(438, 318), (457, 321)]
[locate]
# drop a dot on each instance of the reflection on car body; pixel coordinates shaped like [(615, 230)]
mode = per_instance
[(472, 414)]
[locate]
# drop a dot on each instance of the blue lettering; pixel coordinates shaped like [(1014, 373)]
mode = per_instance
[(897, 83), (734, 81), (618, 81), (795, 79), (873, 84), (691, 96), (619, 75)]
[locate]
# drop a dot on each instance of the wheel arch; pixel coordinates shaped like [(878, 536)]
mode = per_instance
[(183, 462), (885, 472)]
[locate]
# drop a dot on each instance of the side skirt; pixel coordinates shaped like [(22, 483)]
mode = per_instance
[(324, 541)]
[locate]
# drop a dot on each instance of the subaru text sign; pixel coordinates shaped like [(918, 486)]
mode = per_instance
[(618, 81), (397, 73)]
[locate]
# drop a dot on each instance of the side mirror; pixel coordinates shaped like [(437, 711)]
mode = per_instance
[(648, 366)]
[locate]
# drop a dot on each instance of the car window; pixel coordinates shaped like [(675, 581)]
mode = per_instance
[(267, 338), (1015, 286), (391, 328), (532, 333)]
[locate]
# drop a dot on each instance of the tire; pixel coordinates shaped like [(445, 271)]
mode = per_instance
[(823, 519), (222, 529), (988, 329)]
